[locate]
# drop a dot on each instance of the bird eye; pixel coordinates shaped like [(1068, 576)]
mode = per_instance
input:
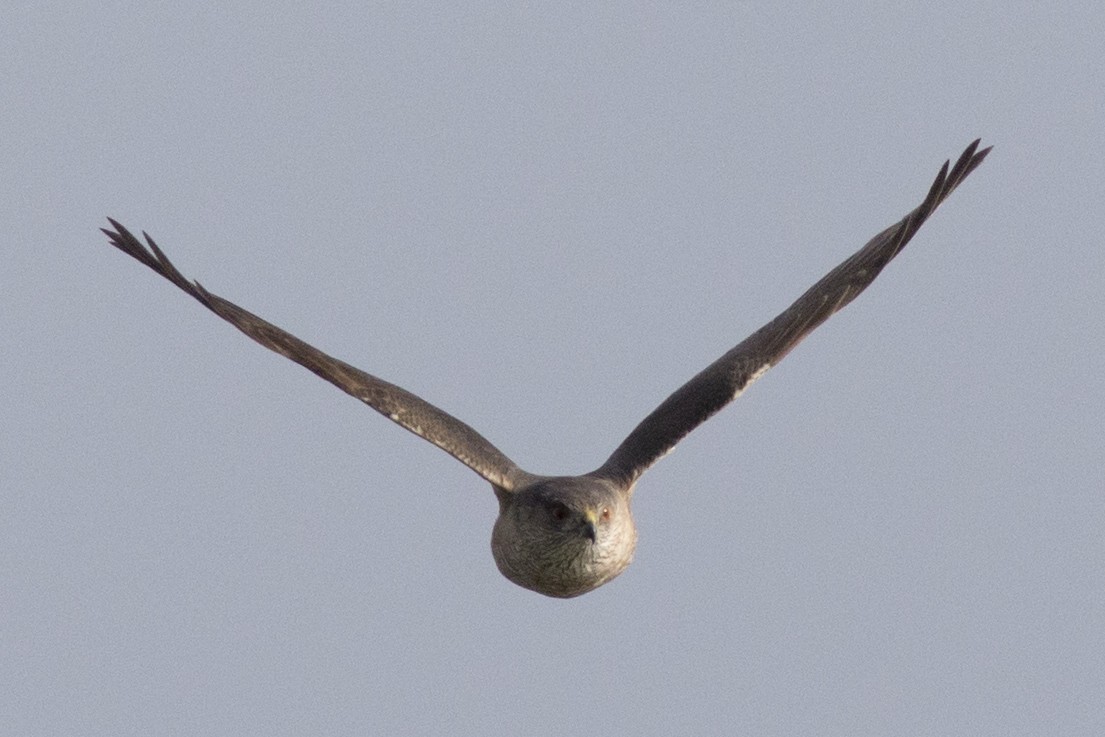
[(559, 512), (606, 514)]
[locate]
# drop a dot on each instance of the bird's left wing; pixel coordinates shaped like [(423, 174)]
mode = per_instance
[(723, 381), (397, 404)]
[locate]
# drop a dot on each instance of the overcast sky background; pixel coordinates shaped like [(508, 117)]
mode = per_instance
[(544, 218)]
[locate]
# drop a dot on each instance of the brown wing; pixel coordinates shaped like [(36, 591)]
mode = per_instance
[(415, 414), (723, 381)]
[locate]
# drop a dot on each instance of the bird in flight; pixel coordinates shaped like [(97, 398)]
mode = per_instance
[(563, 536)]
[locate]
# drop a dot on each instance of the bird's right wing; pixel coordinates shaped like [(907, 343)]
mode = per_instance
[(723, 381), (397, 404)]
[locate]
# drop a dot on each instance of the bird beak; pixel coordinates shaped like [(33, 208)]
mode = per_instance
[(591, 525)]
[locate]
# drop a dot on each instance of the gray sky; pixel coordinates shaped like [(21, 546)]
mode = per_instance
[(544, 219)]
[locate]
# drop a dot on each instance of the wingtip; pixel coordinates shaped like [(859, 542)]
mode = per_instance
[(119, 228), (975, 154), (118, 232)]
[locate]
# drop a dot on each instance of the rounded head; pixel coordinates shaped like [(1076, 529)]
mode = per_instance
[(564, 536)]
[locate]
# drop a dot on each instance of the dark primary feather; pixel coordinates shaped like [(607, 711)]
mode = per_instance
[(722, 381), (398, 405)]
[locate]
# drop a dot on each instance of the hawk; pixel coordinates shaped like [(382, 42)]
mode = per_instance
[(563, 536)]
